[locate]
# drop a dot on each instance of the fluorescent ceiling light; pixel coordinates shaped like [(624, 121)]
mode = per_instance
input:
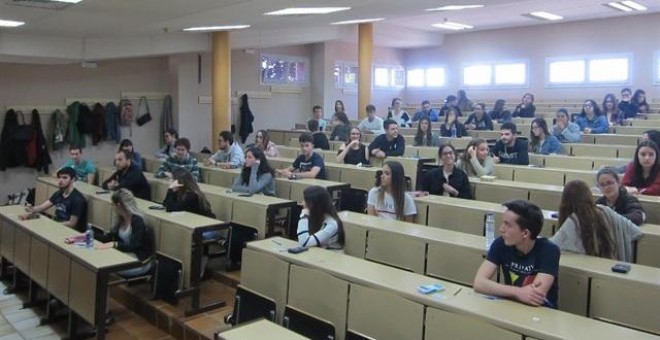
[(619, 6), (453, 8), (634, 5), (215, 28), (455, 26), (68, 1), (546, 16), (11, 23), (307, 10), (357, 21)]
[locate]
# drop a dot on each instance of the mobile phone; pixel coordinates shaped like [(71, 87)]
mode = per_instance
[(622, 268), (102, 192), (297, 250), (554, 215), (245, 195), (367, 165), (157, 207)]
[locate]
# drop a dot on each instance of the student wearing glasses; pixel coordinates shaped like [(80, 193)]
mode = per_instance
[(447, 180), (617, 198), (591, 119), (565, 130), (542, 142)]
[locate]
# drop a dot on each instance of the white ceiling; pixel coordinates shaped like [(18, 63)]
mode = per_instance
[(159, 22)]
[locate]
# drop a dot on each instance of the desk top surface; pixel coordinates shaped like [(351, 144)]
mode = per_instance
[(55, 233), (473, 204), (258, 330)]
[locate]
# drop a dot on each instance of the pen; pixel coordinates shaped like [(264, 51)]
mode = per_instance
[(547, 302), (278, 243)]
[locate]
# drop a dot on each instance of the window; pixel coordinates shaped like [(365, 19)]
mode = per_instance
[(589, 71), (284, 70), (381, 77), (427, 77), (656, 68), (398, 75), (496, 74), (386, 77), (345, 74)]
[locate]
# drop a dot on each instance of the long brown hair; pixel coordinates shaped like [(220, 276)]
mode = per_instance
[(319, 202), (594, 226), (424, 138), (465, 159), (397, 188), (190, 187)]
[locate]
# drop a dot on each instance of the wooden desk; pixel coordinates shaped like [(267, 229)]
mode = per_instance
[(378, 286), (259, 329), (76, 276), (178, 234)]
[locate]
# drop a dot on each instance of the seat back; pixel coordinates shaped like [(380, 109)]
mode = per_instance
[(249, 305), (307, 325)]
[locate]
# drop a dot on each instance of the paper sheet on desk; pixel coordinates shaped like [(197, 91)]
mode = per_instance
[(176, 213)]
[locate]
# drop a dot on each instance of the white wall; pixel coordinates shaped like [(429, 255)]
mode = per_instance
[(50, 85), (633, 34)]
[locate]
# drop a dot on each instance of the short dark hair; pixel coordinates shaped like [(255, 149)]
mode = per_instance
[(173, 132), (425, 101), (67, 170), (313, 125), (626, 89), (228, 136), (450, 98), (388, 122), (482, 105), (185, 142), (509, 126), (317, 107), (305, 137), (75, 147), (530, 216), (371, 108)]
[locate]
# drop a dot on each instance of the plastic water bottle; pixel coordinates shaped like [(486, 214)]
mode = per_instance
[(453, 131), (490, 229), (89, 236)]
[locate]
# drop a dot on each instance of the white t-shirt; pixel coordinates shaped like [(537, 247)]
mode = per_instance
[(385, 209), (376, 127)]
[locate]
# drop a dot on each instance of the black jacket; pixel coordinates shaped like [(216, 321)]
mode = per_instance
[(139, 243), (132, 179), (247, 118), (42, 160), (189, 203), (460, 130), (458, 179), (394, 148), (627, 206)]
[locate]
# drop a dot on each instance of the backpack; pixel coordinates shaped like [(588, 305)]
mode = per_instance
[(125, 113)]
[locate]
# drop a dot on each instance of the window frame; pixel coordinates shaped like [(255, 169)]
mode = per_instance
[(390, 78), (656, 68), (587, 58), (493, 66), (425, 70), (289, 58)]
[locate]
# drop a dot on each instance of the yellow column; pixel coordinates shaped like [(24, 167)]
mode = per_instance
[(221, 85), (365, 60)]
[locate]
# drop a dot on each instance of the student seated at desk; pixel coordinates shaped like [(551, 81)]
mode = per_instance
[(499, 112), (565, 130), (319, 224), (320, 140), (135, 157), (128, 176), (425, 135), (510, 149), (230, 155), (595, 230), (354, 152), (341, 127), (263, 142), (182, 159), (70, 204), (184, 194), (476, 160), (391, 143), (526, 108), (257, 177), (371, 124), (85, 169), (129, 235), (642, 175), (389, 199), (591, 119), (479, 120), (399, 115), (170, 136), (452, 127), (309, 164), (617, 198), (447, 180), (529, 265), (542, 142)]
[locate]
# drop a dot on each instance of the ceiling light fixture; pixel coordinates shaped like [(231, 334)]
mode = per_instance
[(453, 8), (11, 23), (215, 28), (454, 26), (68, 1), (357, 21), (634, 5), (619, 6), (546, 16), (307, 10)]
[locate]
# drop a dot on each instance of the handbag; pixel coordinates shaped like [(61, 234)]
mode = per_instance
[(21, 132), (146, 117)]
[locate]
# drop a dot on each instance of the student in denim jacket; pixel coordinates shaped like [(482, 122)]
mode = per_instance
[(541, 140), (591, 119)]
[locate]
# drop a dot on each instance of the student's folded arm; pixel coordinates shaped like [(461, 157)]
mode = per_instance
[(484, 284), (310, 174), (258, 185)]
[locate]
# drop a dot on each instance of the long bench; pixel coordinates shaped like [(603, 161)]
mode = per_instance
[(382, 302)]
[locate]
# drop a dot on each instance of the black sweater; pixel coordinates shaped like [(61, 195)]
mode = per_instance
[(394, 148), (627, 206), (189, 202), (139, 243), (132, 179), (458, 179)]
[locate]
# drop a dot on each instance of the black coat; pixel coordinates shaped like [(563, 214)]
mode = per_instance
[(247, 118), (458, 179)]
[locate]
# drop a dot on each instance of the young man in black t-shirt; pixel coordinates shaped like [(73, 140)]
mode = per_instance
[(530, 265), (510, 149), (309, 164), (70, 204)]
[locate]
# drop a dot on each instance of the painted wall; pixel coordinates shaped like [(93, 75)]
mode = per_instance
[(50, 85), (633, 34)]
